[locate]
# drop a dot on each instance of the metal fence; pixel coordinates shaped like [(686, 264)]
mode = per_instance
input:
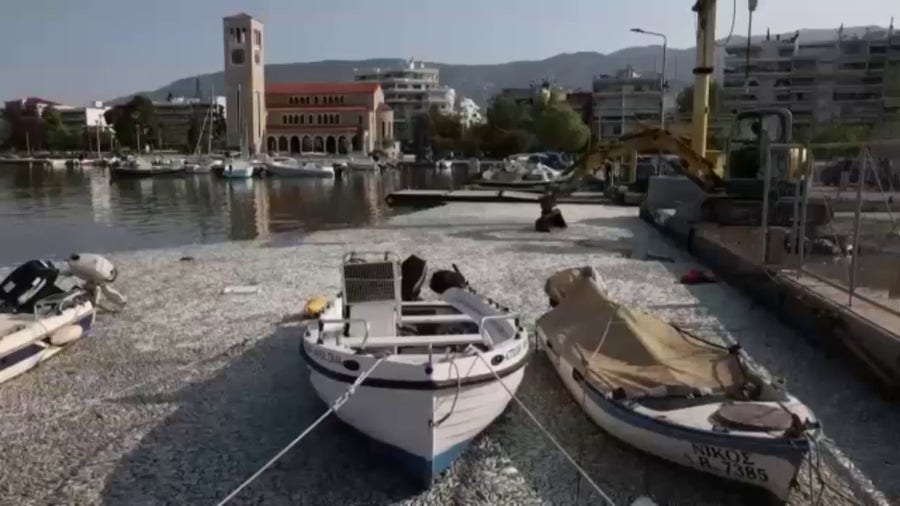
[(858, 251)]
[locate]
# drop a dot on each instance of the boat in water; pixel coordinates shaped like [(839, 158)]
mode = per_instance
[(238, 168), (291, 167), (38, 318), (519, 176), (363, 164), (438, 386), (139, 167), (670, 393)]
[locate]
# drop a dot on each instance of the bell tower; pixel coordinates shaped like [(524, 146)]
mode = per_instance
[(245, 82)]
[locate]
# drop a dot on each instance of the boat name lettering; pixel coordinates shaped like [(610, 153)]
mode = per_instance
[(513, 352), (327, 356), (727, 461)]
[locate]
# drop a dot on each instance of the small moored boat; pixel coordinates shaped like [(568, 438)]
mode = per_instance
[(670, 393), (137, 167), (290, 167), (38, 318), (437, 387)]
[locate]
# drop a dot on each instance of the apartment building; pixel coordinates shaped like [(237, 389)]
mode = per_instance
[(843, 80), (625, 101), (410, 91)]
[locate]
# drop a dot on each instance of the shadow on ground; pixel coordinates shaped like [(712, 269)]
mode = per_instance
[(235, 422)]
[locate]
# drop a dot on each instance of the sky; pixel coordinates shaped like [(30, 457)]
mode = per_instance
[(75, 51)]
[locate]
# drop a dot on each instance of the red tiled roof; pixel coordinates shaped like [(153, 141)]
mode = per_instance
[(301, 88), (383, 107), (319, 107)]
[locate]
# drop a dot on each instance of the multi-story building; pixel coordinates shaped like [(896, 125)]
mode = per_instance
[(841, 80), (176, 115), (411, 91), (245, 82), (336, 118), (81, 118), (625, 101)]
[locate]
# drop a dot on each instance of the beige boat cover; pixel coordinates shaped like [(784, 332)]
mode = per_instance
[(640, 353)]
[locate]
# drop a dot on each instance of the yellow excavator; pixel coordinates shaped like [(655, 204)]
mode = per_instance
[(758, 149)]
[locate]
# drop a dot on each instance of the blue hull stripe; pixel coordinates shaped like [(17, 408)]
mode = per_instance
[(420, 468), (792, 450)]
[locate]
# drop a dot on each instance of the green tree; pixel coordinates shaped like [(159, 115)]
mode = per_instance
[(126, 119), (684, 102), (58, 137), (560, 128)]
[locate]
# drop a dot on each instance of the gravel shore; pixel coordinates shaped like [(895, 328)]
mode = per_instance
[(184, 394)]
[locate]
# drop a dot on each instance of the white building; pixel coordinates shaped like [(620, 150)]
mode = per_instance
[(469, 112), (820, 81), (410, 91), (84, 117), (626, 100)]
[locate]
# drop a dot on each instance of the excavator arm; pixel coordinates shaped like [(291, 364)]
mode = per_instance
[(655, 140)]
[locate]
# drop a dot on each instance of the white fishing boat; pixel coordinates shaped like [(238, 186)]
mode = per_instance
[(437, 387), (291, 167), (364, 164), (443, 165), (238, 169), (667, 392), (38, 318), (242, 167)]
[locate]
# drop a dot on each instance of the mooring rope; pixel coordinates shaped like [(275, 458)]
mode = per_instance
[(544, 429), (336, 405)]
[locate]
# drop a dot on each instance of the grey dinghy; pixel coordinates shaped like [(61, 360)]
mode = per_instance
[(670, 393)]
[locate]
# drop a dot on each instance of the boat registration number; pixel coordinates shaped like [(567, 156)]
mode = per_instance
[(727, 461)]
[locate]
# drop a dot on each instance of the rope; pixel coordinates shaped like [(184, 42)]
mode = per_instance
[(458, 388), (336, 405), (731, 30), (543, 429)]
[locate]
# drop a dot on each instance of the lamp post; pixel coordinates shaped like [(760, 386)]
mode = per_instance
[(662, 76)]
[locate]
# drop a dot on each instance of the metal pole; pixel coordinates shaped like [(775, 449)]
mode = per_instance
[(856, 225), (98, 139), (765, 209), (662, 87), (807, 180)]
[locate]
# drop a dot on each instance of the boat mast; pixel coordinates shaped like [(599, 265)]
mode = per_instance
[(212, 94)]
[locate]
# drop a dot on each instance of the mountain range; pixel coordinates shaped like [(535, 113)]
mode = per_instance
[(481, 82)]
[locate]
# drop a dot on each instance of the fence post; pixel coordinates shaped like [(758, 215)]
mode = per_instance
[(767, 182), (857, 219), (807, 184)]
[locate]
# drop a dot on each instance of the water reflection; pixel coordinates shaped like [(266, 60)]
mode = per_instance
[(51, 212)]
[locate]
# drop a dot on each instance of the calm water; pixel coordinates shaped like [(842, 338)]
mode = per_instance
[(53, 212)]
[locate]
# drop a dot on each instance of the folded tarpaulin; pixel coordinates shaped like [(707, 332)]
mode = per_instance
[(615, 347)]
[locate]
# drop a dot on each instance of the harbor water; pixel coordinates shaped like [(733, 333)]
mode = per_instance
[(52, 212)]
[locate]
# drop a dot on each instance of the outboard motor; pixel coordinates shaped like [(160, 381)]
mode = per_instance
[(97, 272), (413, 272), (27, 284), (442, 280), (92, 268)]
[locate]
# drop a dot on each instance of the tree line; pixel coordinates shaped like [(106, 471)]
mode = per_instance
[(547, 123)]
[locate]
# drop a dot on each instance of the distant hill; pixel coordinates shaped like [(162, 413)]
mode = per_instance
[(481, 82)]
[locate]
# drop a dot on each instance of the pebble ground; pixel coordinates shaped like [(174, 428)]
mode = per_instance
[(184, 394)]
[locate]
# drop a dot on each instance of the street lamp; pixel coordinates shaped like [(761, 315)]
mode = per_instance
[(662, 76)]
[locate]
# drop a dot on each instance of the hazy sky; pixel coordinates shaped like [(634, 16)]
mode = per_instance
[(79, 50)]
